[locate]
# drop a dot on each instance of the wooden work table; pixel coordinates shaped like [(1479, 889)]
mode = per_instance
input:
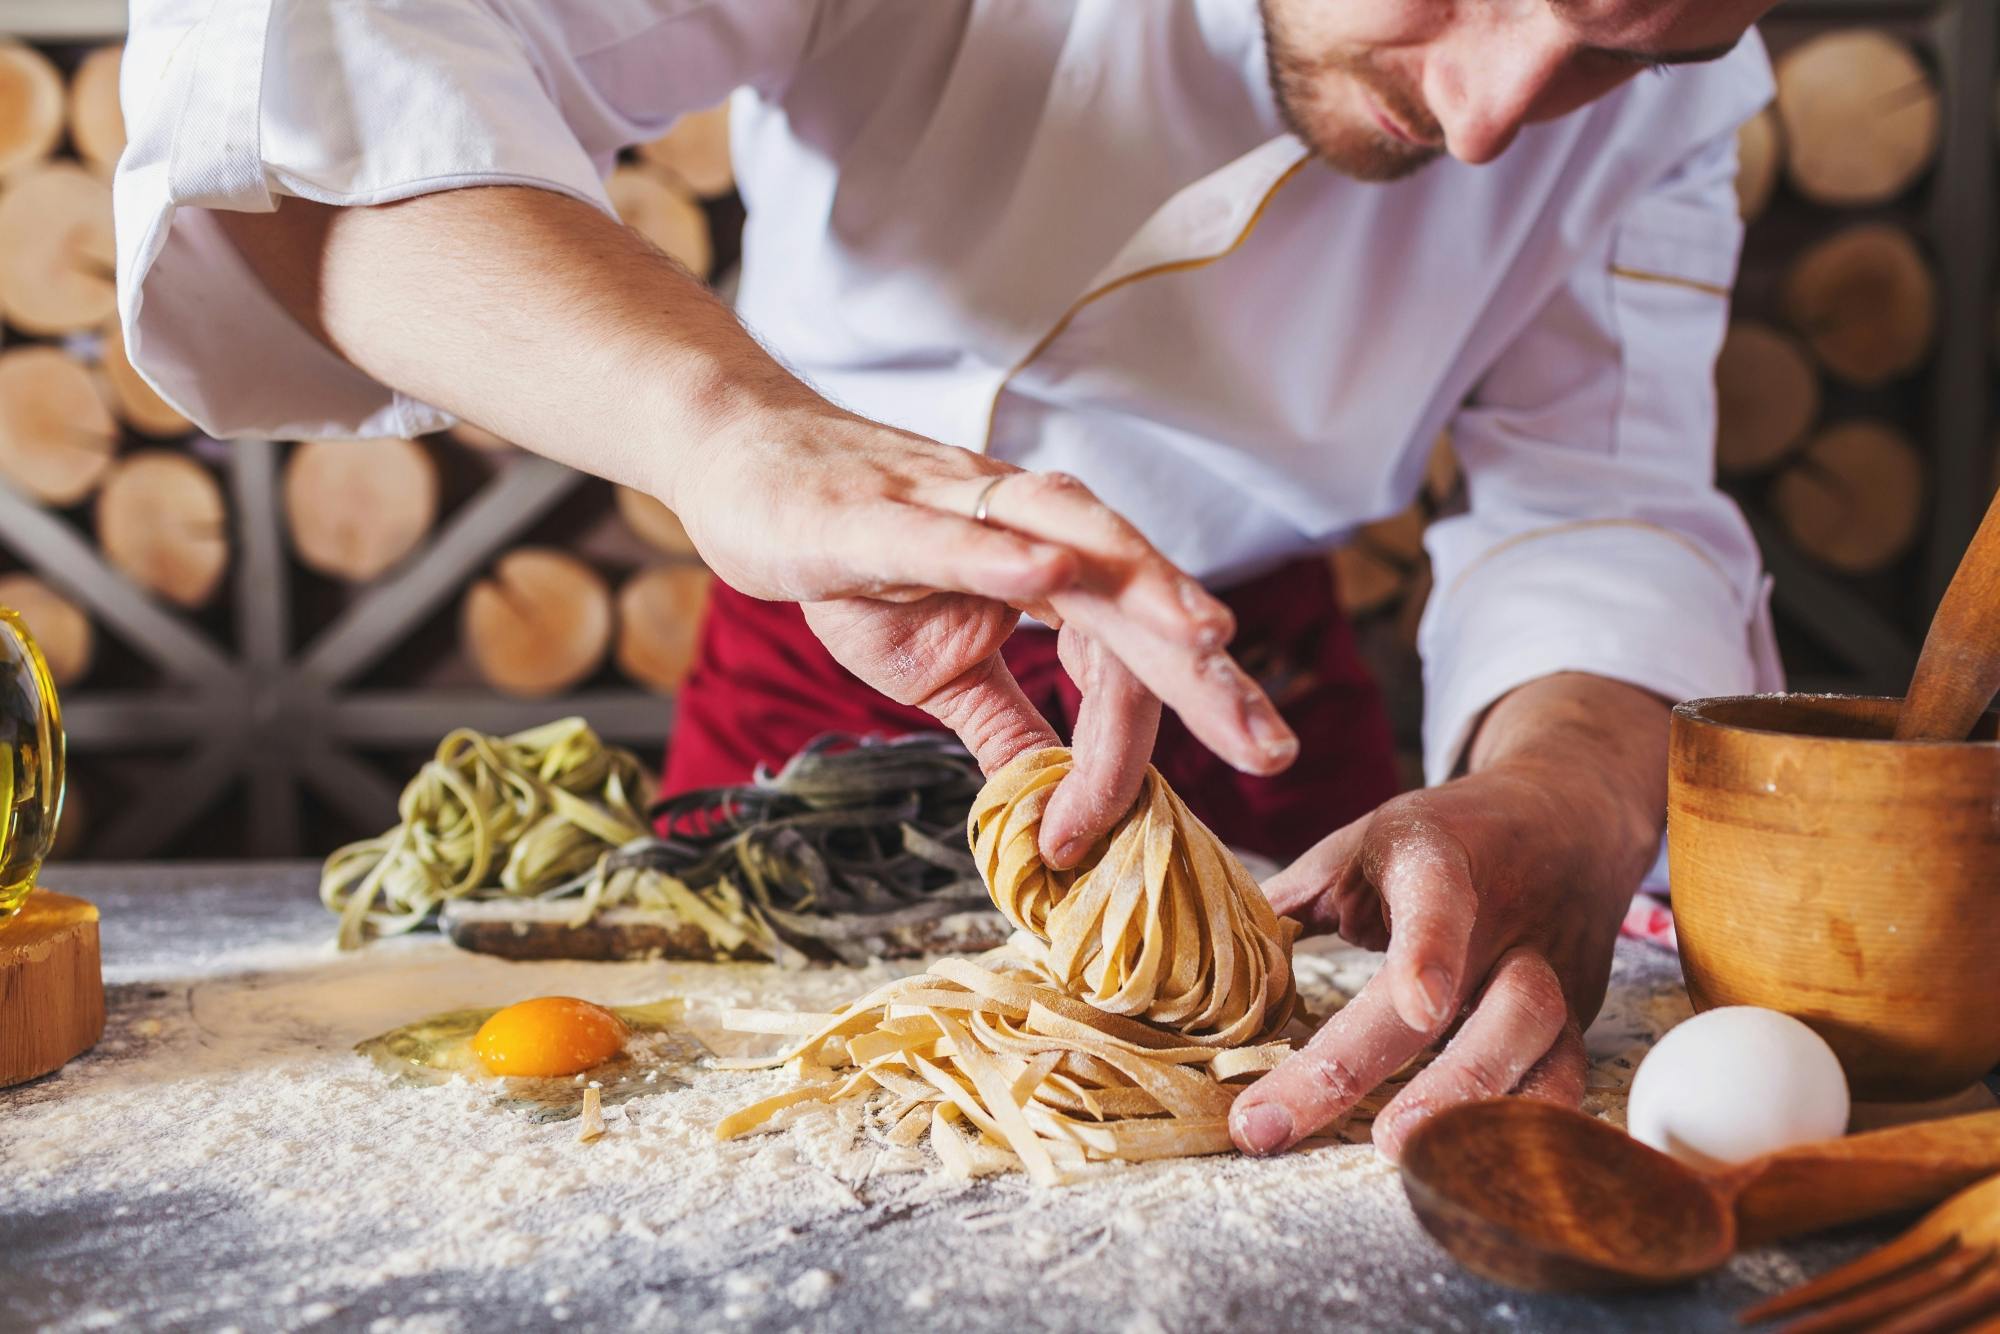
[(180, 1253)]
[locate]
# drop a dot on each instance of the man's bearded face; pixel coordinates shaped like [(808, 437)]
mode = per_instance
[(1379, 88)]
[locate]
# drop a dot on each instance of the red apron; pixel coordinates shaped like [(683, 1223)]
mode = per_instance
[(763, 686)]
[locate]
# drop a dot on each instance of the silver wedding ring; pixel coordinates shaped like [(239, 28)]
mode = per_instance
[(985, 500)]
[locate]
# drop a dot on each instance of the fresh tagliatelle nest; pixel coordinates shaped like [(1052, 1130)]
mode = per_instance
[(851, 838), (1138, 995)]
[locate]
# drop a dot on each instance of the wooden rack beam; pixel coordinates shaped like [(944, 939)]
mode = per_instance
[(136, 720), (1962, 220), (168, 806), (63, 20), (404, 718), (262, 609), (356, 790), (294, 722), (262, 613), (59, 551), (1879, 651), (524, 491)]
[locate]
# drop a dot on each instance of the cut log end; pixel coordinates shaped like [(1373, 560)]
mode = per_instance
[(96, 123), (61, 629), (57, 256), (161, 519), (653, 523), (73, 829), (1383, 564), (1441, 472), (1410, 615), (539, 625), (660, 612), (356, 508), (1768, 397), (1759, 147), (1364, 581), (696, 150), (31, 106), (1854, 498), (475, 437), (666, 217), (1866, 303), (1400, 537), (1861, 117), (57, 436), (137, 403)]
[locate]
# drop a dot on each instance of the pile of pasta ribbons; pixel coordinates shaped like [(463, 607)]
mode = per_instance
[(1139, 993)]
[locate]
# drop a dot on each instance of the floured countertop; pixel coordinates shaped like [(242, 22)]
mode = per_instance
[(224, 1159)]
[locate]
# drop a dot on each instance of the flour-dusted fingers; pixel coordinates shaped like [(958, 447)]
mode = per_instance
[(1512, 1027), (1562, 1074), (1119, 563), (1116, 725), (987, 710), (1217, 701), (1359, 917), (1421, 872), (1164, 627), (1363, 1044), (942, 655), (1309, 889)]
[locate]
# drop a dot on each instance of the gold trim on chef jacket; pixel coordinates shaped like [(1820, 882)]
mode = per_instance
[(1152, 271), (1669, 280), (1582, 525)]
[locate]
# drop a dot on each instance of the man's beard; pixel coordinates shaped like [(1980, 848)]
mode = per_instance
[(1301, 82)]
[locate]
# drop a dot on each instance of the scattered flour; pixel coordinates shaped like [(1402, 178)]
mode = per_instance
[(229, 1099), (811, 1289)]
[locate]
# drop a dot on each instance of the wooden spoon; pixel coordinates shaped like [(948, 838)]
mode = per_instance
[(1958, 672), (1537, 1196)]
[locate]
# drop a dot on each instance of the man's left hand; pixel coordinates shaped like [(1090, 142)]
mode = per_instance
[(1498, 897)]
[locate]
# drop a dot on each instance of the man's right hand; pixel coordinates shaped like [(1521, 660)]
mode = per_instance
[(543, 320), (872, 529)]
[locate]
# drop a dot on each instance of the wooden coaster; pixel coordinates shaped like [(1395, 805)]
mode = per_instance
[(522, 930), (51, 988)]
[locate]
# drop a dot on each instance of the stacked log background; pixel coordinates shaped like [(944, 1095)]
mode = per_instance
[(488, 588), (1857, 381), (258, 643)]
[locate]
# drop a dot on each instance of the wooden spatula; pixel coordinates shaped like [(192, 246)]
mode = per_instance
[(1541, 1197), (1958, 672)]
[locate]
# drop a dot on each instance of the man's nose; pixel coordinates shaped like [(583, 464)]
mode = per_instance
[(1483, 91)]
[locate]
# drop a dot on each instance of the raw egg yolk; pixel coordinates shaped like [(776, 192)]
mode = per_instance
[(550, 1035)]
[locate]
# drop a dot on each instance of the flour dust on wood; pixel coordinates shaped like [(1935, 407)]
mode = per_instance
[(227, 1109)]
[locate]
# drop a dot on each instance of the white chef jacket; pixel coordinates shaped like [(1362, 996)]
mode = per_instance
[(1072, 233)]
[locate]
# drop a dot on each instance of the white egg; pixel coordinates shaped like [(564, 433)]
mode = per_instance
[(1734, 1084)]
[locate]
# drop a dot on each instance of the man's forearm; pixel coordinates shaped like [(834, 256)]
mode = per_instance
[(537, 317), (530, 314), (1601, 742)]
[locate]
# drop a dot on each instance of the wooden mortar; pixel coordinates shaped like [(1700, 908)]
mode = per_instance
[(1822, 869)]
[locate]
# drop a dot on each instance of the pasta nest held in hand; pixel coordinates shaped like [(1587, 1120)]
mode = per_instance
[(1137, 995), (1159, 922)]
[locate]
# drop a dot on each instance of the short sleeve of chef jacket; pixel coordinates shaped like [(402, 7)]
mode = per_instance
[(232, 104)]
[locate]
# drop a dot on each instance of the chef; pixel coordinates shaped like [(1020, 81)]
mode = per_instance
[(1112, 313)]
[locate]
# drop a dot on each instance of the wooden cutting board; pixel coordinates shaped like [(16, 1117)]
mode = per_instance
[(51, 986), (524, 930)]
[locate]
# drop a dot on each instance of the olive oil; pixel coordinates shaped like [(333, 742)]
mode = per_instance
[(31, 762)]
